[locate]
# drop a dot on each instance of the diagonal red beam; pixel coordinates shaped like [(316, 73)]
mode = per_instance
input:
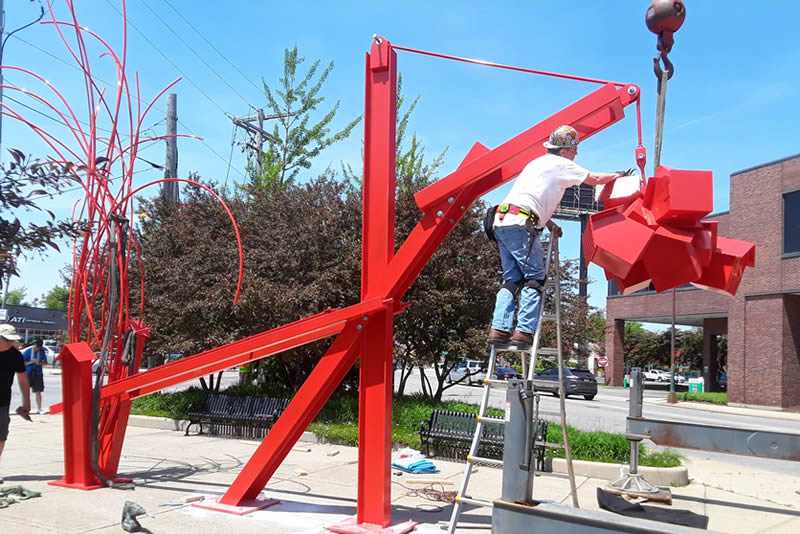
[(589, 115), (593, 113), (302, 410), (248, 349)]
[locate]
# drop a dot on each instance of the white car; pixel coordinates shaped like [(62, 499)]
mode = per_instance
[(474, 371), (654, 375)]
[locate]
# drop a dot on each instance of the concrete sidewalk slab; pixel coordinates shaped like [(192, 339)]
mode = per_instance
[(167, 466)]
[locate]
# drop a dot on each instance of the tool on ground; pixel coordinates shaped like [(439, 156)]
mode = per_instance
[(130, 511), (528, 436), (12, 494)]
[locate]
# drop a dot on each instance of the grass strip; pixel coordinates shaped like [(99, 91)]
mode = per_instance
[(337, 422)]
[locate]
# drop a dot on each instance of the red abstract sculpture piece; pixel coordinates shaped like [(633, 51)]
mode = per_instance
[(655, 235)]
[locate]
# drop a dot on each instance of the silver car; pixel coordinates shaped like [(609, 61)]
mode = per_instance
[(473, 370)]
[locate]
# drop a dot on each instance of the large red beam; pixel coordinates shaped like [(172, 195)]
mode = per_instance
[(252, 348), (302, 410), (377, 246), (588, 115)]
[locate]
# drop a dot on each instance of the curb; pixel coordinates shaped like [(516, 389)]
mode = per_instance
[(659, 476)]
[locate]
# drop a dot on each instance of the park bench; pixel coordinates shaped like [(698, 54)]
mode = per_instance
[(235, 417), (448, 434)]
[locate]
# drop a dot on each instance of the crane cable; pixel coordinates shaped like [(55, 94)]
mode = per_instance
[(664, 18)]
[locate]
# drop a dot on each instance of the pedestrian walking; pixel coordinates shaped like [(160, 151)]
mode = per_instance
[(11, 364), (35, 357)]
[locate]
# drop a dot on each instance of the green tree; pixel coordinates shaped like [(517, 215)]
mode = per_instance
[(57, 298), (297, 137), (24, 181), (16, 296)]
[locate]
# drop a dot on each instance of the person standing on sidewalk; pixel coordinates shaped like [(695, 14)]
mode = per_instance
[(11, 364), (35, 357), (519, 219)]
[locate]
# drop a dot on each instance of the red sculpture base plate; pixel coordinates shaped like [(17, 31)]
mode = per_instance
[(86, 487), (247, 506), (352, 526)]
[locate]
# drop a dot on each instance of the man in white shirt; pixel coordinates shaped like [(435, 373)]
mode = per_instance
[(529, 205)]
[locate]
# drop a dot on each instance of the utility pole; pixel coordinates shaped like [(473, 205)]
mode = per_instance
[(258, 132), (170, 189)]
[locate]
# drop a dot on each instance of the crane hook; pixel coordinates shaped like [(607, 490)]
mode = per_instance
[(664, 18)]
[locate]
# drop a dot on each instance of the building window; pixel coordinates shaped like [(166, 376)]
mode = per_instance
[(791, 223)]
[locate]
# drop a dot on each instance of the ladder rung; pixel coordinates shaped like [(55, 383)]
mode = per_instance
[(511, 347), (470, 500), (500, 384), (489, 461), (488, 419), (548, 317), (547, 351), (551, 474)]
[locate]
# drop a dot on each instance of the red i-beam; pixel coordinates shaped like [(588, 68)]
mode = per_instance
[(364, 329)]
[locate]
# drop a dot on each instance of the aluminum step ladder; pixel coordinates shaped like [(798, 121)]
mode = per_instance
[(528, 371)]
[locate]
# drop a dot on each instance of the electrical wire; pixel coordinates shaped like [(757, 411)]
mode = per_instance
[(62, 123), (209, 43), (168, 60), (193, 51), (96, 78)]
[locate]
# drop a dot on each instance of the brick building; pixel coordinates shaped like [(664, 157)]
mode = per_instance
[(762, 321)]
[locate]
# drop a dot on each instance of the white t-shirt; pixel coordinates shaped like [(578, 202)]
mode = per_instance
[(540, 186)]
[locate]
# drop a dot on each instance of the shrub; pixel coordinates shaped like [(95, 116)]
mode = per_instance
[(714, 398)]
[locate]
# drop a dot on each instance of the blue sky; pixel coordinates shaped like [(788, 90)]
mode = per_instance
[(731, 104)]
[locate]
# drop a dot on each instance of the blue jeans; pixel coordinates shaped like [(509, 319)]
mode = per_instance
[(518, 266)]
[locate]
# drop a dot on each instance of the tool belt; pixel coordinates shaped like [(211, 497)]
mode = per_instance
[(504, 209), (531, 218)]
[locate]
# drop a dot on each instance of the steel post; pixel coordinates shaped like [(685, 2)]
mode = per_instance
[(377, 249), (76, 391)]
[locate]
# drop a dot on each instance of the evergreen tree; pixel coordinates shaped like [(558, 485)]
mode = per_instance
[(296, 138)]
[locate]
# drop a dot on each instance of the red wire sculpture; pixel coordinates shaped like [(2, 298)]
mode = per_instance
[(99, 307)]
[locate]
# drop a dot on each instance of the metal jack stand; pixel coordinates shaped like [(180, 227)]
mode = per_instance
[(634, 484)]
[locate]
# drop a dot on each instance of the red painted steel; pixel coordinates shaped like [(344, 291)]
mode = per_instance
[(378, 227), (303, 408), (657, 237), (364, 329), (678, 197), (589, 115), (76, 391)]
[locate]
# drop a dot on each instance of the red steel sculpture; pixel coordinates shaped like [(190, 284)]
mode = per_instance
[(364, 330)]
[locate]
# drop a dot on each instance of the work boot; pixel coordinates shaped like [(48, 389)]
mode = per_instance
[(499, 336), (522, 338)]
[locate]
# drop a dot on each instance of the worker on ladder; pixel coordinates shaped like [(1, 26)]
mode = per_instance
[(519, 220)]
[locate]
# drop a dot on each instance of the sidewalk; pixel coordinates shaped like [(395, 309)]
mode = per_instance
[(166, 466)]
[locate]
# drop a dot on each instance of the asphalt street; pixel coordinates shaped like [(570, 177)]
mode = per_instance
[(609, 410)]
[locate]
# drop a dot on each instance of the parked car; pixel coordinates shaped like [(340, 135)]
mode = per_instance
[(52, 350), (506, 373), (473, 370), (655, 375), (577, 382)]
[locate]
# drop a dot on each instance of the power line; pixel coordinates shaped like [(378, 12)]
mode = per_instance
[(162, 54), (209, 43), (186, 128), (62, 123), (192, 50)]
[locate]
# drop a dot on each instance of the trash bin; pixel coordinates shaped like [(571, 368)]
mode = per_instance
[(696, 385)]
